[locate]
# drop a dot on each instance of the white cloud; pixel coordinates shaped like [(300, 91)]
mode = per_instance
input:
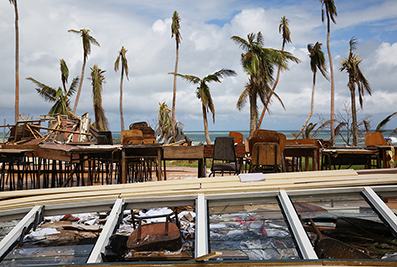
[(143, 28), (387, 54)]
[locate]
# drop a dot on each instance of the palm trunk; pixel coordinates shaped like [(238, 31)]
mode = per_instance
[(311, 108), (206, 133), (332, 84), (354, 116), (16, 63), (274, 88), (80, 85), (253, 114), (174, 97), (121, 99)]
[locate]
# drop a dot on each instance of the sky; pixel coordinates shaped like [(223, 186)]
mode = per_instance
[(144, 29)]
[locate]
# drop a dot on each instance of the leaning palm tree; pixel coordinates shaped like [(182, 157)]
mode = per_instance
[(175, 32), (14, 2), (61, 96), (330, 13), (87, 40), (259, 62), (204, 94), (97, 80), (317, 61), (283, 28), (352, 66), (124, 68)]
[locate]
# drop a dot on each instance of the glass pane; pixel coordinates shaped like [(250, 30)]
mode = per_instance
[(41, 256), (345, 227), (250, 231), (6, 227)]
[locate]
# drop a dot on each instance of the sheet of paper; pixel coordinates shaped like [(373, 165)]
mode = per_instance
[(251, 177)]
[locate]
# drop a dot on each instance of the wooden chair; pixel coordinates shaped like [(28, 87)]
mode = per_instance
[(265, 157), (224, 158), (262, 132), (132, 137), (375, 139), (238, 137), (269, 138), (148, 134)]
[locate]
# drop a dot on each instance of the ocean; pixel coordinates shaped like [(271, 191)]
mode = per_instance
[(198, 136)]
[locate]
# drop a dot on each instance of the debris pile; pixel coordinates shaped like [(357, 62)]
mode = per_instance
[(60, 128), (58, 238)]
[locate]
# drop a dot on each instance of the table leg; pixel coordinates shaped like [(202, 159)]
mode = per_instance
[(123, 168), (315, 161), (159, 172), (200, 168)]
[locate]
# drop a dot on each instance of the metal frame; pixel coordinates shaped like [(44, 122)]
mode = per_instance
[(201, 202), (111, 225), (20, 230), (381, 208), (304, 245), (201, 234)]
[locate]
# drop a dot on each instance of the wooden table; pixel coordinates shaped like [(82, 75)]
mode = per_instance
[(303, 151), (137, 151), (185, 153), (74, 157), (95, 154), (11, 158), (349, 156)]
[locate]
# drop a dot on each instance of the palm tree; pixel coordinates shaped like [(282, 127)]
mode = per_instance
[(381, 126), (124, 68), (352, 66), (14, 2), (330, 13), (60, 97), (164, 121), (175, 32), (258, 62), (204, 93), (87, 40), (97, 79), (283, 28), (317, 61)]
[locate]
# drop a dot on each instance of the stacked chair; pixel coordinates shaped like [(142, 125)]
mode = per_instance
[(139, 169)]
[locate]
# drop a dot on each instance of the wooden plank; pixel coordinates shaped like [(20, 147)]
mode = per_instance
[(194, 190), (183, 152)]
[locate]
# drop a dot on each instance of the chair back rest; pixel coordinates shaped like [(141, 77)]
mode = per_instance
[(148, 134), (224, 149), (374, 139), (132, 137), (269, 138), (265, 153), (262, 132), (238, 137)]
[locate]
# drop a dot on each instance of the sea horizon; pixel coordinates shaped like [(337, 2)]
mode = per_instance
[(198, 137)]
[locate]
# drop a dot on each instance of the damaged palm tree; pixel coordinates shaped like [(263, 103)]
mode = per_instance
[(165, 124), (97, 80), (60, 97)]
